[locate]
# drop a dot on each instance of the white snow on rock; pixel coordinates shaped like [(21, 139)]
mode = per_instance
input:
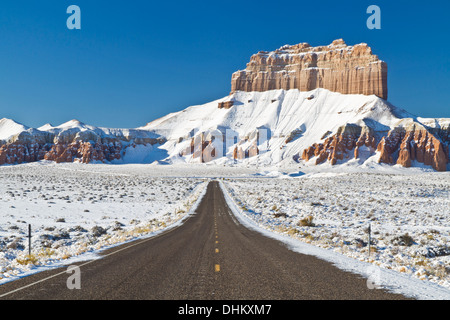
[(287, 121), (277, 115), (9, 128)]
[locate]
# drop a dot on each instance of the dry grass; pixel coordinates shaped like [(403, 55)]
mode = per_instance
[(306, 222), (28, 259)]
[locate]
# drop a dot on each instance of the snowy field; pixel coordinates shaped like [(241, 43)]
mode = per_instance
[(408, 215), (77, 210)]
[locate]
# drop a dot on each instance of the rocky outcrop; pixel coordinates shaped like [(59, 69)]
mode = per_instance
[(18, 152), (201, 148), (205, 147), (336, 67), (338, 146), (84, 152), (72, 145), (245, 152), (401, 145), (404, 145), (225, 104)]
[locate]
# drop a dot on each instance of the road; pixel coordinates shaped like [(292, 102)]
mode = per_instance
[(209, 257)]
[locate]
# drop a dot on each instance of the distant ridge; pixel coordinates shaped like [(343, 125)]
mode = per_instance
[(273, 116)]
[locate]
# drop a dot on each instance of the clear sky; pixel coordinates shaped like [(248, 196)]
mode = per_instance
[(135, 61)]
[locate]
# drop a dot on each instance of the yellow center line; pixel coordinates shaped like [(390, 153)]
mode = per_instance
[(217, 266)]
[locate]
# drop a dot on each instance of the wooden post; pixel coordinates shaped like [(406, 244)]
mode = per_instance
[(369, 231), (29, 240)]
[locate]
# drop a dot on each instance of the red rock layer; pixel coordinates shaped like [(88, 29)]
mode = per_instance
[(413, 144), (225, 105), (85, 152), (337, 67), (17, 152), (202, 147), (337, 147), (400, 146)]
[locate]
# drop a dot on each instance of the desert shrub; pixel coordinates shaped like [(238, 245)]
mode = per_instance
[(28, 259), (292, 231), (403, 240), (98, 231), (316, 204), (306, 222), (360, 243)]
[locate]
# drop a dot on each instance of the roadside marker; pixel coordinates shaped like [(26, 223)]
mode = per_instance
[(29, 240)]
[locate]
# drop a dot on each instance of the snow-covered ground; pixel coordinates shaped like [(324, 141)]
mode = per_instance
[(76, 210), (408, 215)]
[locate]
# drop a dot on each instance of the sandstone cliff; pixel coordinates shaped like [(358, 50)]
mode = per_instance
[(408, 141), (336, 67), (71, 142)]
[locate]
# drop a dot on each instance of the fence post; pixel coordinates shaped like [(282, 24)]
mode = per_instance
[(29, 240), (369, 231)]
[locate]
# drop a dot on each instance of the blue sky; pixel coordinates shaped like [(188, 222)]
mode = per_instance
[(135, 61)]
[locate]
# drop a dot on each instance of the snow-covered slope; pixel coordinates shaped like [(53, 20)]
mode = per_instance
[(288, 122), (10, 128), (276, 112), (74, 141), (269, 128), (75, 127)]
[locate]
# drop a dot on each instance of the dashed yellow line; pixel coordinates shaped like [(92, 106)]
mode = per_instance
[(216, 266)]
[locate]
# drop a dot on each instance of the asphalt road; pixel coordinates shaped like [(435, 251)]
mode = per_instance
[(209, 257)]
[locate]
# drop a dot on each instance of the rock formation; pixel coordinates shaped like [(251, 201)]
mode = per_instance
[(205, 147), (414, 142), (84, 152), (337, 147), (336, 67), (225, 104), (345, 117), (401, 145), (80, 143)]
